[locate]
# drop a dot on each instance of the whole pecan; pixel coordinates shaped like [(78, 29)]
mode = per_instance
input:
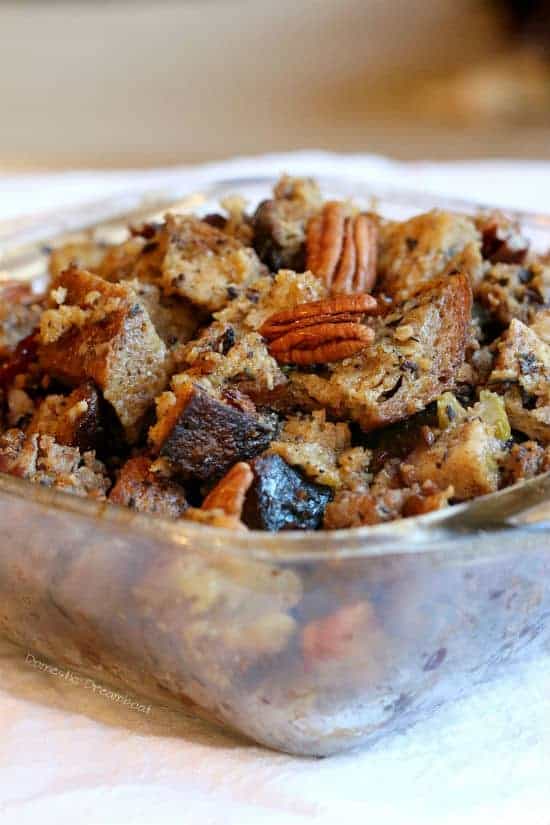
[(320, 331), (342, 249), (229, 493)]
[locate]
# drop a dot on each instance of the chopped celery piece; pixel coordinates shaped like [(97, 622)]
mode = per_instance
[(493, 412), (449, 410)]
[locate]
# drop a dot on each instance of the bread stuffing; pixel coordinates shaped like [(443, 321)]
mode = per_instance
[(302, 365)]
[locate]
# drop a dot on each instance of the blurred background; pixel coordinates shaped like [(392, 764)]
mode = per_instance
[(134, 83)]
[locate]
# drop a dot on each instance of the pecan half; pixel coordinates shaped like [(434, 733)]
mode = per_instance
[(229, 493), (327, 352), (334, 310), (342, 250), (321, 344), (320, 331)]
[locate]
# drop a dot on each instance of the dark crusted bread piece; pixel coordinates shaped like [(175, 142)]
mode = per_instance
[(280, 498), (203, 436), (102, 332), (416, 356)]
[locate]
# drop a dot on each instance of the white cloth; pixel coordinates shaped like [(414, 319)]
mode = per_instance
[(519, 184), (68, 754)]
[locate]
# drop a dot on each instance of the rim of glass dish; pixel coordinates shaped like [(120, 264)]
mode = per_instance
[(407, 536), (418, 534)]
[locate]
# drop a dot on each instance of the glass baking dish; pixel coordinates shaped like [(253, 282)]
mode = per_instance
[(306, 642)]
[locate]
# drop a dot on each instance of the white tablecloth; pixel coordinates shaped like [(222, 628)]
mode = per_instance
[(69, 753)]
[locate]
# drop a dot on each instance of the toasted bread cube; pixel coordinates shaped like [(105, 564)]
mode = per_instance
[(40, 459), (416, 356), (101, 332), (246, 367), (502, 240), (280, 223), (87, 255), (525, 461), (509, 291), (523, 358), (268, 295), (201, 436), (175, 320), (232, 352), (121, 260), (321, 450), (522, 374), (205, 265), (73, 420), (416, 251), (147, 492), (465, 456), (313, 445), (133, 258)]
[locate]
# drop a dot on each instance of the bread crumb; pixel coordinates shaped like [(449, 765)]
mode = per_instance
[(58, 295), (92, 297), (54, 323)]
